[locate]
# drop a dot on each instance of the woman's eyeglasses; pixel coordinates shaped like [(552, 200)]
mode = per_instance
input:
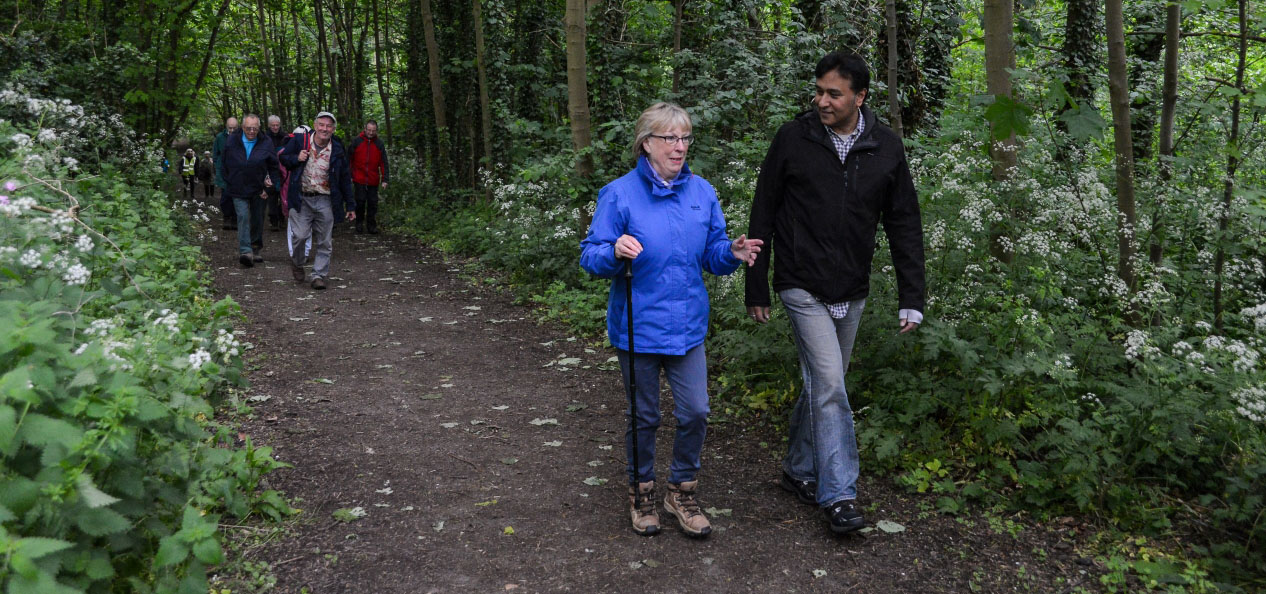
[(672, 140)]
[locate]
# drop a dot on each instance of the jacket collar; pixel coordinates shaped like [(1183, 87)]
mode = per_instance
[(648, 174), (817, 133)]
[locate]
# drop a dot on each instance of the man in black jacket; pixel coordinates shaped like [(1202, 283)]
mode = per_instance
[(249, 164), (831, 176)]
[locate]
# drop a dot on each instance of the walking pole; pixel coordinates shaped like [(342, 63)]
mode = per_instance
[(628, 297)]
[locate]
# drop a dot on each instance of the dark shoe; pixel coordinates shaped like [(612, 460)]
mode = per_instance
[(642, 509), (258, 258), (246, 260), (297, 273), (682, 502), (360, 229), (373, 231), (844, 516), (318, 283), (805, 491)]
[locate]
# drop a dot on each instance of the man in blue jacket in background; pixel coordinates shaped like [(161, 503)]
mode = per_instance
[(249, 164), (320, 179)]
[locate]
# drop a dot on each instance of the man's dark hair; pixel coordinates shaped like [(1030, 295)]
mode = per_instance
[(850, 67), (368, 122)]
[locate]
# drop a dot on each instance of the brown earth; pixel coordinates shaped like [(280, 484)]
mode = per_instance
[(409, 392)]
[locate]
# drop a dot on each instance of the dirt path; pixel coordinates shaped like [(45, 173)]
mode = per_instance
[(431, 404)]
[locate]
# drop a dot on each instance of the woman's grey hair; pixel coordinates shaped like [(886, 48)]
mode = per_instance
[(658, 118)]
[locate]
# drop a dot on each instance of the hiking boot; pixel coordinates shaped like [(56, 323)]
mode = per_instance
[(681, 502), (805, 491), (258, 258), (297, 273), (642, 509), (844, 516), (318, 283), (246, 260)]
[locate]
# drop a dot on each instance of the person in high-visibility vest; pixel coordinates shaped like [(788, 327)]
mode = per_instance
[(188, 168)]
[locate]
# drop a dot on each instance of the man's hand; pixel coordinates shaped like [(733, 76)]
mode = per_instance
[(384, 185), (907, 326), (745, 249), (268, 182), (760, 313), (303, 155), (627, 247), (351, 215)]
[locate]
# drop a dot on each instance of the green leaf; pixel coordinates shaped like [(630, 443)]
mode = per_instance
[(208, 551), (8, 428), (93, 496), (102, 521), (85, 377), (170, 551), (1008, 116), (40, 430), (35, 547)]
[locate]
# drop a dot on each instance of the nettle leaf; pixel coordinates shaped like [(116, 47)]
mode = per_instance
[(102, 521), (85, 377), (8, 427), (170, 551), (93, 496), (41, 430), (1084, 122), (208, 551), (35, 547)]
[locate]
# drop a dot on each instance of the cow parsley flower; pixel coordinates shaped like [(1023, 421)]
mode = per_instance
[(84, 244), (76, 275), (199, 358), (1252, 403), (31, 259)]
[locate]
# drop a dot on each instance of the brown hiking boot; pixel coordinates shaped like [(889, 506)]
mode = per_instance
[(642, 509), (297, 273), (681, 502)]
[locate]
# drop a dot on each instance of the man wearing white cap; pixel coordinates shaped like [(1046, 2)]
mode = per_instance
[(320, 178)]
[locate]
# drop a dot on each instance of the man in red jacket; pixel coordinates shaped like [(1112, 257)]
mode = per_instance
[(369, 172)]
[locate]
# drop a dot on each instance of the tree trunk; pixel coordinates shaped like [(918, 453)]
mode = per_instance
[(202, 73), (1169, 103), (578, 87), (267, 65), (1232, 167), (485, 108), (679, 9), (1119, 93), (437, 93), (378, 59), (894, 86), (999, 56)]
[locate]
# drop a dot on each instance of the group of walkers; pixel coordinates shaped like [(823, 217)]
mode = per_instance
[(831, 176), (303, 180), (193, 170)]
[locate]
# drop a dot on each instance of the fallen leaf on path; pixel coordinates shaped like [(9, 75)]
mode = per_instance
[(385, 491), (438, 525), (890, 527), (426, 319), (539, 421), (605, 447), (349, 514), (553, 444), (569, 362), (450, 323), (448, 425), (511, 586), (260, 398), (635, 565), (576, 407), (595, 463), (595, 481), (508, 530), (473, 307), (819, 573), (429, 397), (650, 563), (321, 380), (509, 461), (486, 503), (446, 385), (298, 319), (501, 407), (714, 512)]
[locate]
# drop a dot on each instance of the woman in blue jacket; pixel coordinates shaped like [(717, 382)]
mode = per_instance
[(668, 222)]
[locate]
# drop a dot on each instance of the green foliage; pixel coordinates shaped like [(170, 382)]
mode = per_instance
[(113, 474)]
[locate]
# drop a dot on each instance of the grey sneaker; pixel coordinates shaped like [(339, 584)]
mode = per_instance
[(642, 509), (682, 502)]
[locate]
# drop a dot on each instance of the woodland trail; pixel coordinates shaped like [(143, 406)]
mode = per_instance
[(474, 438)]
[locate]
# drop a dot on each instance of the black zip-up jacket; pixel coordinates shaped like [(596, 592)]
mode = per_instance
[(244, 176), (820, 215)]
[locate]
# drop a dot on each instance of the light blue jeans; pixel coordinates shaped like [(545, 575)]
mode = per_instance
[(688, 376), (822, 446)]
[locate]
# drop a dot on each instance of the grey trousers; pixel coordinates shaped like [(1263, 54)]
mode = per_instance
[(314, 221)]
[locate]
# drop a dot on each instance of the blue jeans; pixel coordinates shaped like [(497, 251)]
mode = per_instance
[(250, 223), (688, 376), (822, 446)]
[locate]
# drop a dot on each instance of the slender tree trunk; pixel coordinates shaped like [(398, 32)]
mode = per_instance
[(1169, 103), (999, 56), (894, 86), (202, 73), (679, 9), (1232, 167), (437, 92), (1119, 93), (267, 65), (485, 108), (578, 87), (378, 58)]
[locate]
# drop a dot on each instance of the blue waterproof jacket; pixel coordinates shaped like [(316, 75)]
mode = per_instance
[(682, 232), (244, 175)]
